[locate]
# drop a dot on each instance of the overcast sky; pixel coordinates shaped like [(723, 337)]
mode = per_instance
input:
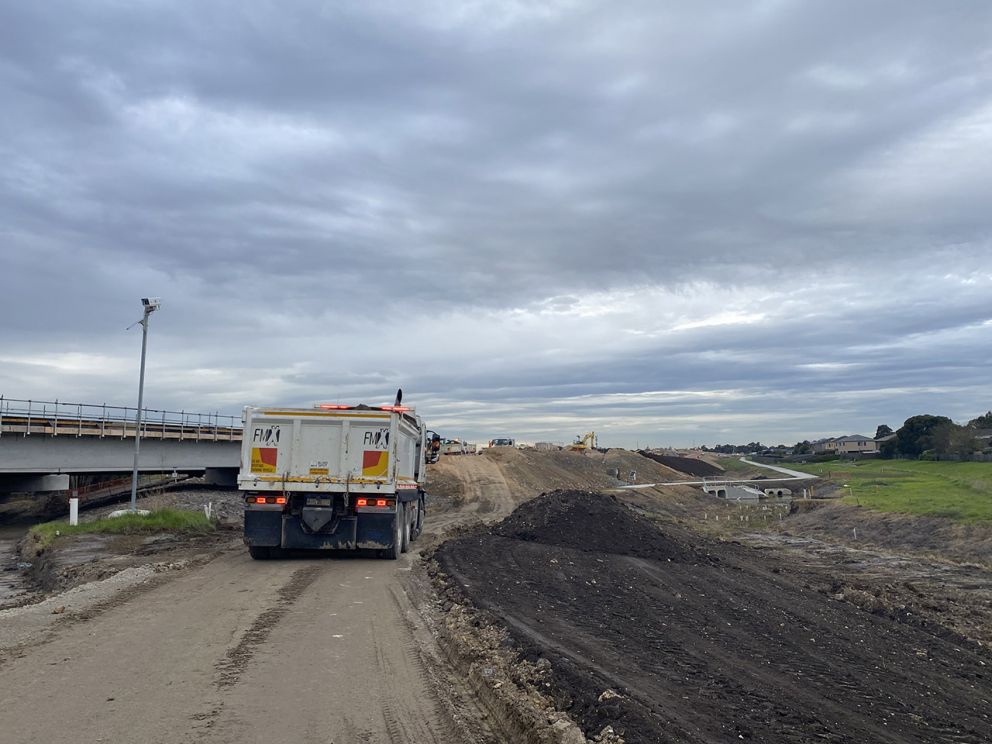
[(674, 223)]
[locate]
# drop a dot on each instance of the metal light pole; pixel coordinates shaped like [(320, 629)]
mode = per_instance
[(151, 305)]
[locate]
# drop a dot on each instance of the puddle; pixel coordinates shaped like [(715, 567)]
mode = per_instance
[(12, 585)]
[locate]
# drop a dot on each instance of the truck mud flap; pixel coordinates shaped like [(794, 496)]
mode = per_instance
[(295, 536), (263, 528), (377, 531)]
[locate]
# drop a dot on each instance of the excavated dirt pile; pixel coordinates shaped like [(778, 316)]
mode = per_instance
[(689, 465), (593, 523), (669, 637)]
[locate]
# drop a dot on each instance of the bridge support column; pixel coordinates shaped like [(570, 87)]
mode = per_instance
[(33, 483), (225, 477)]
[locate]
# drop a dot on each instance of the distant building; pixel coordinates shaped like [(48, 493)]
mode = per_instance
[(824, 446), (854, 444)]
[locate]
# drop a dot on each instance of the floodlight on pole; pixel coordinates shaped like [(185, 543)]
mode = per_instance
[(151, 304)]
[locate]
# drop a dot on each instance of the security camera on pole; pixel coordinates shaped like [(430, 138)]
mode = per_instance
[(151, 305)]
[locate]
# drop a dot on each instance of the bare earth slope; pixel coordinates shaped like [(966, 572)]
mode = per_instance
[(710, 642)]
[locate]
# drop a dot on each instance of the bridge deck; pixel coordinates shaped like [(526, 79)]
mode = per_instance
[(50, 426)]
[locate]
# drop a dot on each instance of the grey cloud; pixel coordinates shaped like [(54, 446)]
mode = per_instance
[(352, 173)]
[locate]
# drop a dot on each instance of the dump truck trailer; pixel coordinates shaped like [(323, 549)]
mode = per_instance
[(333, 477)]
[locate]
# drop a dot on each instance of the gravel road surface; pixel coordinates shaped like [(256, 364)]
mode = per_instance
[(236, 651)]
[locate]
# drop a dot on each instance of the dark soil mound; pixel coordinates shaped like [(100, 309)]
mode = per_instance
[(689, 465), (592, 522), (741, 648)]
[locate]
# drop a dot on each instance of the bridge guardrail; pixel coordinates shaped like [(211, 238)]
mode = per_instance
[(56, 418)]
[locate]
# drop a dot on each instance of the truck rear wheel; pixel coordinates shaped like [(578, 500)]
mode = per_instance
[(393, 553), (406, 528), (418, 526), (259, 553)]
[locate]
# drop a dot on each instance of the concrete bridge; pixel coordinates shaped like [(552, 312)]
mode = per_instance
[(43, 443)]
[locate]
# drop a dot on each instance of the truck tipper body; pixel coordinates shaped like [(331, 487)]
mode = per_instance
[(333, 477)]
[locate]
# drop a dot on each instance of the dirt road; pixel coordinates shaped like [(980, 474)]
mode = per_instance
[(235, 650), (296, 650)]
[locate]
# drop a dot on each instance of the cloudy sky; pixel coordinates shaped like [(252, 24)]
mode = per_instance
[(674, 223)]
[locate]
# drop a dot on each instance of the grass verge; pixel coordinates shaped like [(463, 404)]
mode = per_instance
[(957, 490), (162, 520), (733, 466)]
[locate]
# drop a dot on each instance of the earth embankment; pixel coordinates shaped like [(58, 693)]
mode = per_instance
[(671, 637)]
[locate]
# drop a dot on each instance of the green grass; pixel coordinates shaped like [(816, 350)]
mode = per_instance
[(734, 465), (958, 490), (162, 520)]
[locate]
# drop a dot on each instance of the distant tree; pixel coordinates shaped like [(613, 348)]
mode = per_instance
[(802, 448), (916, 435), (888, 450), (953, 441), (883, 430), (982, 422)]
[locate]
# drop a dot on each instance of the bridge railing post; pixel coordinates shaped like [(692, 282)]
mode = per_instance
[(27, 429)]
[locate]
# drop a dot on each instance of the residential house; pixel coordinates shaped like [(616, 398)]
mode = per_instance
[(855, 444)]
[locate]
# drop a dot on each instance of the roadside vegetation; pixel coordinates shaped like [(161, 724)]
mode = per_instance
[(733, 465), (958, 490), (162, 520)]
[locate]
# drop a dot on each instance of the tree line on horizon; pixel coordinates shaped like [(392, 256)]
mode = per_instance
[(924, 436)]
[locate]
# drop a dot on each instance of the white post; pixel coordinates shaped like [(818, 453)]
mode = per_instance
[(73, 512)]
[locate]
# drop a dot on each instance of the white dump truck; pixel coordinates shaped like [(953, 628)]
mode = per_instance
[(333, 477)]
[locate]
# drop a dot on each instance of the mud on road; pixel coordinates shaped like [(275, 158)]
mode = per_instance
[(672, 637)]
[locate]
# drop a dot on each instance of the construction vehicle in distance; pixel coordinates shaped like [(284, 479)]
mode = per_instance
[(454, 447), (433, 447), (583, 442), (333, 477)]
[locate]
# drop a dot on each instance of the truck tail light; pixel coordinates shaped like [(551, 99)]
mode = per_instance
[(281, 500), (374, 503)]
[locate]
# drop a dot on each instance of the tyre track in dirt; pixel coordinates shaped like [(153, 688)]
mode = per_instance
[(229, 669)]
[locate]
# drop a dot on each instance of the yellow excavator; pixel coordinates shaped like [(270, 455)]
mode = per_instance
[(583, 443)]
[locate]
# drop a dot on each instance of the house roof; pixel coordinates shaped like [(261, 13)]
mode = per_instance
[(854, 438)]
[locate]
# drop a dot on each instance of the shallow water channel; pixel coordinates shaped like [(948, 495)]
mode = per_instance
[(12, 579)]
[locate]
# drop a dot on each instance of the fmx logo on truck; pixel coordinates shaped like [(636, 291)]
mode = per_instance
[(333, 477), (265, 449)]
